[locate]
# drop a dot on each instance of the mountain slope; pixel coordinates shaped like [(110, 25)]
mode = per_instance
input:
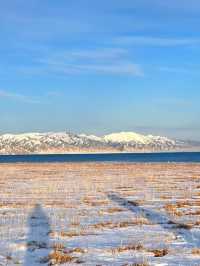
[(64, 142), (132, 137)]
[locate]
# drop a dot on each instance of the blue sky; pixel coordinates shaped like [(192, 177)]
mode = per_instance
[(100, 66)]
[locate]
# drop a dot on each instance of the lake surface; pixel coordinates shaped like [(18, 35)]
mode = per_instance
[(179, 157)]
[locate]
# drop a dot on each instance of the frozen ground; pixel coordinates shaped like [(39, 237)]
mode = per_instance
[(99, 214)]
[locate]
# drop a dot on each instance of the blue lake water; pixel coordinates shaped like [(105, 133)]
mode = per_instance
[(181, 157)]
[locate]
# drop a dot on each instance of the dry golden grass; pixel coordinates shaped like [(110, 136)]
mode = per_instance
[(122, 224), (195, 177), (58, 246), (197, 223), (71, 234), (196, 251), (61, 255), (83, 188), (193, 213), (114, 210), (58, 257), (95, 203), (136, 264), (127, 248), (78, 250), (61, 247), (172, 209), (183, 204), (159, 252)]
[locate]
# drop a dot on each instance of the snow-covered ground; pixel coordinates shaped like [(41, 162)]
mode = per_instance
[(99, 214)]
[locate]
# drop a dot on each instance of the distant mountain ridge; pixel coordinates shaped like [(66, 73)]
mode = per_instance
[(63, 142)]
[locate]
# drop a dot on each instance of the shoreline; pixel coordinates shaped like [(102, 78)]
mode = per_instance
[(102, 153)]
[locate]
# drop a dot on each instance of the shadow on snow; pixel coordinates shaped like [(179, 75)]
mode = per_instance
[(179, 230), (37, 241)]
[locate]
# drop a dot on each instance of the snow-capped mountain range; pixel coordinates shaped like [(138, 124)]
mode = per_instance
[(63, 142)]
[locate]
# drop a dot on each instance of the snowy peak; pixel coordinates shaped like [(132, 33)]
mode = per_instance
[(125, 137), (132, 137), (63, 142)]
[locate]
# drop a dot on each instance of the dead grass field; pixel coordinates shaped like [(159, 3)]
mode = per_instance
[(99, 214)]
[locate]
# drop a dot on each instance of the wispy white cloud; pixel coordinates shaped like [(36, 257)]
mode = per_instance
[(110, 61), (102, 61), (119, 68), (18, 97), (104, 54), (157, 41)]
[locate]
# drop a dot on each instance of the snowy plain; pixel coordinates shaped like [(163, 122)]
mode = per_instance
[(99, 214)]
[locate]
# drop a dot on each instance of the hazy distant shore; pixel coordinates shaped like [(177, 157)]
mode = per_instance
[(105, 152)]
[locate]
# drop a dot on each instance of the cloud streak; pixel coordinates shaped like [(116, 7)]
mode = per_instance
[(119, 68), (98, 54), (156, 41), (108, 61), (18, 97)]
